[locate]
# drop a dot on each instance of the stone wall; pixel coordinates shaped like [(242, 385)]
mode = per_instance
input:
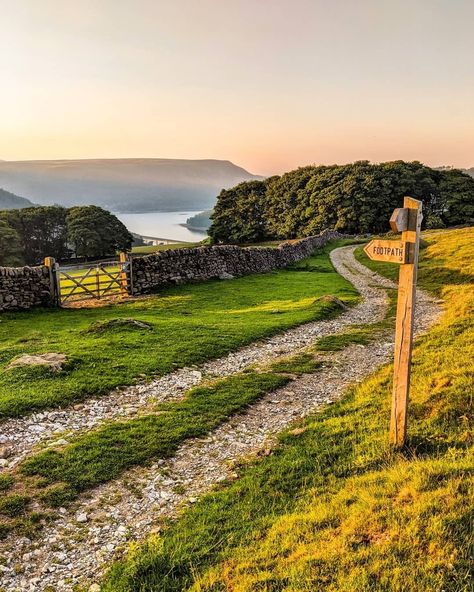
[(24, 287), (204, 263)]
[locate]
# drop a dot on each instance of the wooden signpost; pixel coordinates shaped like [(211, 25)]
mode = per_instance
[(406, 220), (387, 250)]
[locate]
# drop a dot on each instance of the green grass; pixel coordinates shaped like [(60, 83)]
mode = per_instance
[(301, 363), (339, 341), (6, 481), (334, 508), (191, 324), (439, 261), (147, 249), (14, 505)]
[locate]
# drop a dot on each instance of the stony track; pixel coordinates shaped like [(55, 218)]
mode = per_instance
[(21, 435), (81, 543)]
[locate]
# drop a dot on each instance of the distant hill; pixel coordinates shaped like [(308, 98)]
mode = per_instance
[(200, 221), (10, 201), (124, 185), (450, 168)]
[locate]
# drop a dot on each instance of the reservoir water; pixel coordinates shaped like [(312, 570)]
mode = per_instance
[(163, 225)]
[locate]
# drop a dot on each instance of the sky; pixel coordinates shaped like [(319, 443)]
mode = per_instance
[(268, 84)]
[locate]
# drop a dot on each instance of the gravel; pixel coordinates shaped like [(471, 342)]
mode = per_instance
[(98, 528), (54, 427)]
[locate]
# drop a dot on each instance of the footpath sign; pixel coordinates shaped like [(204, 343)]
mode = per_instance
[(406, 220), (387, 250)]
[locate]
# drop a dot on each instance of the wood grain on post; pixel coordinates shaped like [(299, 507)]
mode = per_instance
[(50, 263), (123, 258), (404, 323)]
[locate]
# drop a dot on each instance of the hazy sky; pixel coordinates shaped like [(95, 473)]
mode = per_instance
[(268, 84)]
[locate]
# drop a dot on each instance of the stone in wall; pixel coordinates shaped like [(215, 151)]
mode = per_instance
[(22, 288), (203, 263)]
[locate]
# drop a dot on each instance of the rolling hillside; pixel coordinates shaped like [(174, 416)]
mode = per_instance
[(123, 185), (10, 201)]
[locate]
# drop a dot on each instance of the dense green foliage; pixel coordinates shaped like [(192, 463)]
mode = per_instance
[(201, 220), (354, 198), (11, 253), (58, 232), (95, 232), (334, 508)]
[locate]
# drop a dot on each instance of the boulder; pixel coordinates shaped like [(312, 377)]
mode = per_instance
[(52, 360)]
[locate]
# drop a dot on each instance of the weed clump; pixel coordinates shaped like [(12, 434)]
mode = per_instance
[(119, 324)]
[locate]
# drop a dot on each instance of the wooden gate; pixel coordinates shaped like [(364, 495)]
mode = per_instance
[(94, 281)]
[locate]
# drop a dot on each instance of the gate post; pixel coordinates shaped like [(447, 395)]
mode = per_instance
[(124, 272), (54, 286)]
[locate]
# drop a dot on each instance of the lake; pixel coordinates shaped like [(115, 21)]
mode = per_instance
[(162, 225)]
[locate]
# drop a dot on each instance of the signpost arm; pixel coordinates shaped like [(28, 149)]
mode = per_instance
[(404, 323)]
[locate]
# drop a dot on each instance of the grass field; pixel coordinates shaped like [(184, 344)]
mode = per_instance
[(334, 508), (148, 249), (188, 325)]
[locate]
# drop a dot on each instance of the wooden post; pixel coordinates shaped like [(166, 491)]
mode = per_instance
[(404, 323), (124, 263), (54, 287), (97, 281)]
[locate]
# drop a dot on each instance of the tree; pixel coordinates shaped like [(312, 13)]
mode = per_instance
[(42, 231), (95, 232), (10, 246), (456, 198), (354, 198), (239, 214)]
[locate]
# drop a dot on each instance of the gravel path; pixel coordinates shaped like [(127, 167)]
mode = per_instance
[(81, 545), (20, 436)]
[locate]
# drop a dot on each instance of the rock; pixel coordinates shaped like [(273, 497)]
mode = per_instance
[(101, 326), (60, 442), (52, 360), (94, 588), (226, 276), (5, 452), (81, 517), (334, 300), (297, 431)]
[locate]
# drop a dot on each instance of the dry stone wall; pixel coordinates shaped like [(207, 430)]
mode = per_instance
[(24, 287), (226, 261)]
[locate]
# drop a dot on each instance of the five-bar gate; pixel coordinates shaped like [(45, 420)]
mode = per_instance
[(92, 281)]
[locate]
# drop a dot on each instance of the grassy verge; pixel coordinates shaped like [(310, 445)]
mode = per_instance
[(189, 325), (334, 508)]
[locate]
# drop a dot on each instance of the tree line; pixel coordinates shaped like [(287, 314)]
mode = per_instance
[(355, 198), (28, 235)]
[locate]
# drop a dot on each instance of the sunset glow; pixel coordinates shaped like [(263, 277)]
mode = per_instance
[(269, 85)]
